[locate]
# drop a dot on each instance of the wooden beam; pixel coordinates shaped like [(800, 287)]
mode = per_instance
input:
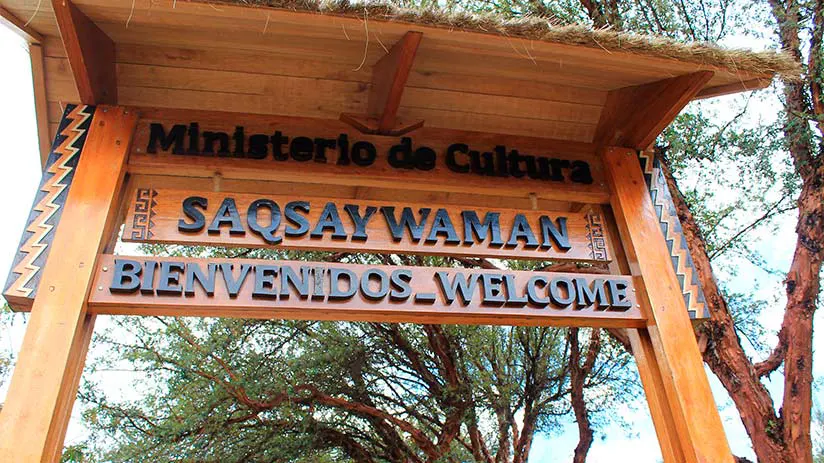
[(19, 27), (389, 76), (389, 80), (634, 116), (90, 52), (41, 108), (736, 87), (688, 395), (44, 384)]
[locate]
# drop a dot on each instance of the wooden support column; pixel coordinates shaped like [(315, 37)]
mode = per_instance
[(666, 426), (670, 336), (90, 52), (389, 77), (644, 353), (44, 384)]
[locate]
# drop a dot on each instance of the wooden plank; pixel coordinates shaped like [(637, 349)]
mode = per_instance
[(389, 76), (44, 382), (634, 116), (536, 85), (53, 47), (19, 27), (268, 94), (380, 173), (168, 216), (676, 350), (490, 297), (90, 53), (735, 87), (277, 103), (40, 102), (231, 185)]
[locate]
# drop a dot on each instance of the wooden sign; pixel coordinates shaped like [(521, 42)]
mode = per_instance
[(324, 291), (279, 148), (249, 220)]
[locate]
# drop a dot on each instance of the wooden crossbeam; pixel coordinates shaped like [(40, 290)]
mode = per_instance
[(19, 27), (389, 77), (633, 116), (90, 52)]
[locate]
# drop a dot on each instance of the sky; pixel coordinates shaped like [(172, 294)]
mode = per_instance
[(631, 438)]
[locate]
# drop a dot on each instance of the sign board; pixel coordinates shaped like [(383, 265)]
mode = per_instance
[(252, 220), (330, 291), (278, 148)]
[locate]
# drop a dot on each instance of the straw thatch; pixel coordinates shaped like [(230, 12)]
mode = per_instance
[(534, 28)]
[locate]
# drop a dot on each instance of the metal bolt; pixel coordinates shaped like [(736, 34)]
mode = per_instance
[(638, 305), (139, 150), (51, 288), (105, 110), (105, 269), (100, 288), (117, 142)]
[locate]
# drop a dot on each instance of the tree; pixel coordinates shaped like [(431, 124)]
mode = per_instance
[(783, 434)]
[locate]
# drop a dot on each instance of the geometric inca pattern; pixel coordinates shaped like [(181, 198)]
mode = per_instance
[(24, 276), (673, 234), (144, 205), (595, 236)]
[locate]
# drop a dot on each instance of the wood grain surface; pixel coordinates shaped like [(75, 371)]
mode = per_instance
[(156, 216)]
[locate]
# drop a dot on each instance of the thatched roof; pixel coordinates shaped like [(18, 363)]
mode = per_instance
[(543, 29)]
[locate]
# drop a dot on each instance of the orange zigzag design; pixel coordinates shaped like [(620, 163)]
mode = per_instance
[(682, 269), (53, 186)]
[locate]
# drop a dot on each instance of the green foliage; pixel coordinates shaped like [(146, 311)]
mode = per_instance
[(76, 454)]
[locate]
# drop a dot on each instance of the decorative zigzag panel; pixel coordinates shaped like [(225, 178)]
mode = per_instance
[(677, 244), (24, 277)]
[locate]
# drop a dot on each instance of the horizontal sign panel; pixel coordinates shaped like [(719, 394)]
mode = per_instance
[(249, 220), (293, 149), (326, 291)]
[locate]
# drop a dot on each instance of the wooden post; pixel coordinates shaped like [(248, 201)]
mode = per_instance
[(43, 387), (659, 406), (670, 336)]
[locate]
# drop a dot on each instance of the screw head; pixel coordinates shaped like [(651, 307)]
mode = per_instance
[(105, 269)]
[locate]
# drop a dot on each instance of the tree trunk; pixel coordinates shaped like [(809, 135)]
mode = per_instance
[(724, 354)]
